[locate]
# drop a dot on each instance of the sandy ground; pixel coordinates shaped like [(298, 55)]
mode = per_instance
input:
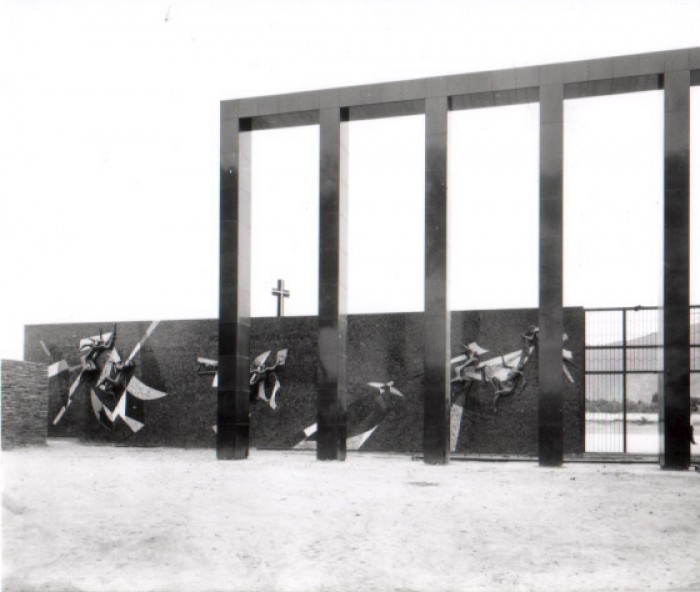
[(103, 518)]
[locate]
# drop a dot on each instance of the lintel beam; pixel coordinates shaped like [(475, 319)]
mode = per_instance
[(581, 78)]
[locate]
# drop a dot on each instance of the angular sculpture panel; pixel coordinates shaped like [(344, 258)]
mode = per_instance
[(117, 396), (504, 373), (262, 376), (381, 349), (363, 417)]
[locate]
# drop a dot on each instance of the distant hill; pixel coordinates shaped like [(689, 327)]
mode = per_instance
[(642, 387), (654, 338)]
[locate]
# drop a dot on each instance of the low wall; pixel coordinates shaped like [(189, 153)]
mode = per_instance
[(25, 395), (381, 347)]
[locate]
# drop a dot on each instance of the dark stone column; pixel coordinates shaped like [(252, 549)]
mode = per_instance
[(436, 389), (233, 406), (332, 286), (550, 441), (674, 409)]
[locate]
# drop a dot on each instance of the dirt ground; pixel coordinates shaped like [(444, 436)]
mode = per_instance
[(111, 519)]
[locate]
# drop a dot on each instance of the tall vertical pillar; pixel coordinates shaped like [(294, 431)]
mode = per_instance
[(233, 390), (332, 285), (436, 389), (550, 437), (674, 410)]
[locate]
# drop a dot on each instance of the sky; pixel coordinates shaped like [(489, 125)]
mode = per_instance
[(109, 154)]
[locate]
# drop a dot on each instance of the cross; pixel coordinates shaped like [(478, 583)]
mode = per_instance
[(281, 294)]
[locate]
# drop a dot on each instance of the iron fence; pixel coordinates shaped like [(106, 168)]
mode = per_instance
[(623, 360)]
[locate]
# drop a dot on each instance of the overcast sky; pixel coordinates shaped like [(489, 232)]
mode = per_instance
[(109, 142)]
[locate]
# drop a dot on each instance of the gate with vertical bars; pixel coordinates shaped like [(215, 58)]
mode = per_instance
[(624, 357)]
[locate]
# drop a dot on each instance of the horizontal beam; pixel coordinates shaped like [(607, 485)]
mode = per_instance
[(621, 346), (631, 73), (613, 86), (292, 119), (495, 98), (390, 109), (622, 372)]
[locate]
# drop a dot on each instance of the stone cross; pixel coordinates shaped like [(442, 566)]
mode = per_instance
[(281, 294)]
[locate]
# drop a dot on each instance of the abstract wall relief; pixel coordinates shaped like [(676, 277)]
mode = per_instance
[(504, 374), (363, 417), (263, 376), (381, 348), (116, 395)]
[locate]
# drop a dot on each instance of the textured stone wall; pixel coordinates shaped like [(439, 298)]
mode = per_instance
[(381, 347), (25, 391)]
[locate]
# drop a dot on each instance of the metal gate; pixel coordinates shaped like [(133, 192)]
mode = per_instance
[(624, 357)]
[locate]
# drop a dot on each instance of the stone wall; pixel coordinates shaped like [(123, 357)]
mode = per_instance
[(25, 392), (381, 347)]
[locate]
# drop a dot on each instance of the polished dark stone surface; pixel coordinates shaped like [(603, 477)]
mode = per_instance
[(233, 398), (674, 411), (550, 450), (436, 384), (332, 290)]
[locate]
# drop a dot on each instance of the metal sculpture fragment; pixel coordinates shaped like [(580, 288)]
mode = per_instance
[(466, 370), (90, 348), (263, 375), (504, 373), (115, 392), (363, 418)]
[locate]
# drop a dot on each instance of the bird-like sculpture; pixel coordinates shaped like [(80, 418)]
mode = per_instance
[(363, 416), (504, 373)]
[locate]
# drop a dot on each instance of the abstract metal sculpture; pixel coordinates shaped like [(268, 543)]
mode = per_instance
[(115, 393), (262, 375), (118, 393), (466, 371), (504, 374), (90, 348), (365, 421)]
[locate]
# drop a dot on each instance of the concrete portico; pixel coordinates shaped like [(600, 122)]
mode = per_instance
[(550, 85)]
